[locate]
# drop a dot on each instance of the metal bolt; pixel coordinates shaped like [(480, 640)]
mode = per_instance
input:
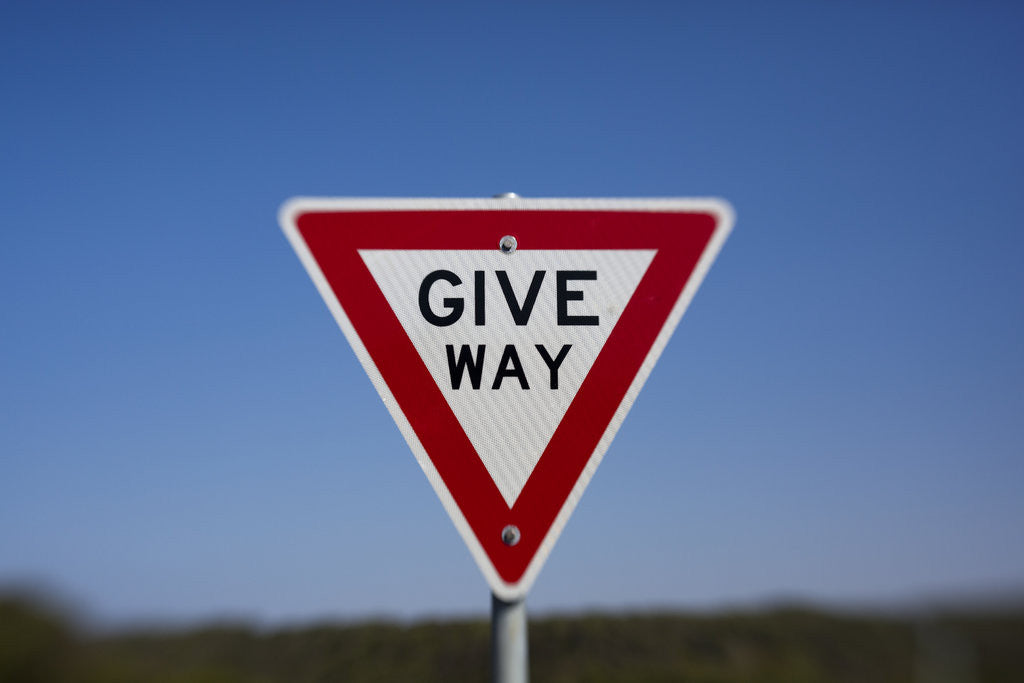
[(508, 243), (510, 535)]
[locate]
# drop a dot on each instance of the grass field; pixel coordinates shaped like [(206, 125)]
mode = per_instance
[(38, 644)]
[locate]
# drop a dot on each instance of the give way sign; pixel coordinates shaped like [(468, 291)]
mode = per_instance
[(508, 338)]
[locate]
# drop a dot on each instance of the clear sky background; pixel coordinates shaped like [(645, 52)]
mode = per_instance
[(184, 431)]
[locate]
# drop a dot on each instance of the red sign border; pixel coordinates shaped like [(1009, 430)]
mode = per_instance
[(686, 234)]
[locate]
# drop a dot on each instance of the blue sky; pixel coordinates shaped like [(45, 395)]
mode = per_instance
[(185, 431)]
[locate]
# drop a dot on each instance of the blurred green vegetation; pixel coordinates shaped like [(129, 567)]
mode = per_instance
[(41, 644)]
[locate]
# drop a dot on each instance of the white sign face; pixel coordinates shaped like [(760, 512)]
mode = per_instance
[(505, 365), (508, 371)]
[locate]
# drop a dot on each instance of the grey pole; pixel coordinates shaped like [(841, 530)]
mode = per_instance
[(510, 656)]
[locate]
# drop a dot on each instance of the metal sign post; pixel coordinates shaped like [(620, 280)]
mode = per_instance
[(510, 653), (510, 643)]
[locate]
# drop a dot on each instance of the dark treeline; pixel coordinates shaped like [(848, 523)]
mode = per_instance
[(42, 645)]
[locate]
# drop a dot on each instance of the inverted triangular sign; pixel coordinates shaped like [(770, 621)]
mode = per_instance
[(508, 338)]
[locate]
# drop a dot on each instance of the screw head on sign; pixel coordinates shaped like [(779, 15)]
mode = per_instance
[(510, 535), (508, 244)]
